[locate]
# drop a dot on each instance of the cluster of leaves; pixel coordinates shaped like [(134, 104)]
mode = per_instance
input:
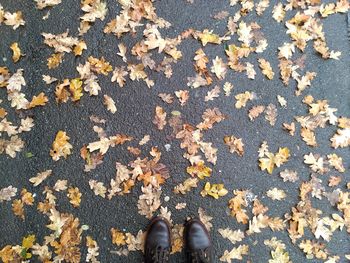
[(241, 41)]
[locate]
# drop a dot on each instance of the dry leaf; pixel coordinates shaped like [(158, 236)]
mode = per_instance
[(234, 236), (199, 170), (39, 100), (255, 112), (54, 60), (235, 253), (219, 68), (16, 52), (74, 196), (160, 118), (60, 147), (271, 160), (7, 193), (214, 190), (41, 4), (242, 99), (183, 96), (289, 176), (266, 68), (211, 94), (276, 194), (40, 177), (271, 114), (235, 144), (109, 102)]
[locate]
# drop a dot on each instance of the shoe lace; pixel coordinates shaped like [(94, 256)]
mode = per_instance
[(200, 256), (160, 255)]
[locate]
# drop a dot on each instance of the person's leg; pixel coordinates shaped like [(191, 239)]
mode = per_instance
[(158, 241), (197, 242)]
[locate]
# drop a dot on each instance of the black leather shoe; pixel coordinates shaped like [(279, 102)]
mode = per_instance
[(197, 242), (158, 241)]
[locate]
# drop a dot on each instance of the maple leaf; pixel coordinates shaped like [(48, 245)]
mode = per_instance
[(60, 147), (39, 100), (214, 190), (235, 144)]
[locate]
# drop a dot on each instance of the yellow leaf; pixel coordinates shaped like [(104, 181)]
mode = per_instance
[(76, 89), (6, 254), (118, 238), (55, 60), (16, 52), (28, 241), (199, 170), (214, 190), (100, 66), (60, 147), (208, 37), (74, 196), (273, 160), (267, 163), (39, 100), (78, 49)]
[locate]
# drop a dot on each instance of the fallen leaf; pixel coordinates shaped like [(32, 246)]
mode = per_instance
[(109, 102), (16, 52), (40, 177), (60, 147), (39, 100)]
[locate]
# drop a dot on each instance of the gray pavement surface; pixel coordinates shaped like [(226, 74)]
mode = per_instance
[(136, 104)]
